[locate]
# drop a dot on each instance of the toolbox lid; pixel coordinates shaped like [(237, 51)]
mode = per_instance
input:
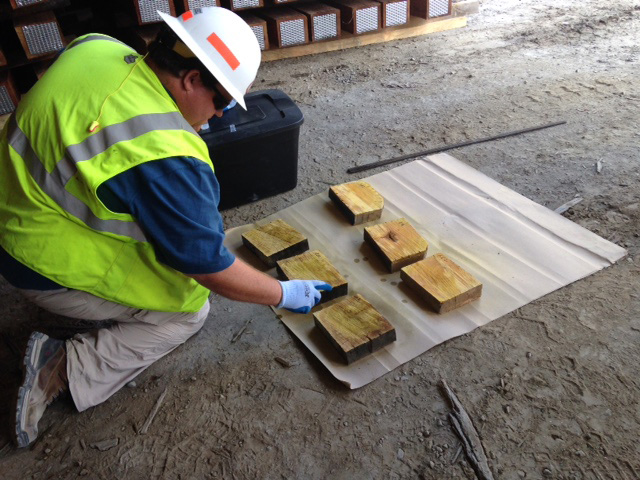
[(268, 112)]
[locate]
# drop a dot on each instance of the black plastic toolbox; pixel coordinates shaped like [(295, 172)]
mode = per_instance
[(255, 152)]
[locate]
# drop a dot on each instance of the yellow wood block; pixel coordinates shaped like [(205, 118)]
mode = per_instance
[(355, 327), (398, 243), (275, 241), (314, 265), (359, 201), (443, 284)]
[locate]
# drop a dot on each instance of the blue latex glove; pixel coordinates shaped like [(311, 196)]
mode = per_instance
[(300, 296)]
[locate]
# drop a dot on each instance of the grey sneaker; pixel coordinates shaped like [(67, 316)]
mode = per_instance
[(45, 376)]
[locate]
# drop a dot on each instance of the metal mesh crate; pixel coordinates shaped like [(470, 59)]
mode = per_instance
[(43, 38), (287, 27), (147, 10), (8, 94), (191, 4), (243, 4), (259, 27), (323, 20), (394, 12), (359, 16), (6, 105), (430, 9), (39, 34), (24, 3)]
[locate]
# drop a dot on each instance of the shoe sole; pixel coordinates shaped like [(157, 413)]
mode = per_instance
[(29, 372)]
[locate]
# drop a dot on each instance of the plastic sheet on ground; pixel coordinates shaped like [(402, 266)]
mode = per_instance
[(517, 248)]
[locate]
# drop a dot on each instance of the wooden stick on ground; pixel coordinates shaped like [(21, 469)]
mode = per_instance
[(153, 413), (464, 428)]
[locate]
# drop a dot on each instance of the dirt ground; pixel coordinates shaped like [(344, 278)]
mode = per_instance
[(552, 388)]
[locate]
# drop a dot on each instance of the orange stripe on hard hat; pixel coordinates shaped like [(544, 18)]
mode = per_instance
[(224, 51), (187, 16)]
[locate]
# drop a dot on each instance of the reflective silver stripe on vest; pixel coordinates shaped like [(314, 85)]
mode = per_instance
[(96, 37), (120, 132), (52, 186)]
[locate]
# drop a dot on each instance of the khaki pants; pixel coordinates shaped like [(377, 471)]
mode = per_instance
[(101, 362)]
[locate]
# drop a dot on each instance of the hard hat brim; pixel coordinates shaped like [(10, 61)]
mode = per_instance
[(197, 50)]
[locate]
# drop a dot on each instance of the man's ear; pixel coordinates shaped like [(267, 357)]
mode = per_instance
[(190, 80)]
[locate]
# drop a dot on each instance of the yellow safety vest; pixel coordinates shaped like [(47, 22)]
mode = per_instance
[(51, 165)]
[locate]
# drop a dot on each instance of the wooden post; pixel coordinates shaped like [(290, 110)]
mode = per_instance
[(355, 327), (287, 27), (39, 34), (397, 242), (442, 283), (259, 27), (314, 265)]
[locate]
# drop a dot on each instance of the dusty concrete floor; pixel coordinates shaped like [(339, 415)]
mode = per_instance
[(552, 389)]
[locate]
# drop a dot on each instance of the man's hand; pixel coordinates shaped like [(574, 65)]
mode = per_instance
[(300, 296)]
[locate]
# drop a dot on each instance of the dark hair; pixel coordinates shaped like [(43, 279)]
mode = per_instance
[(162, 54)]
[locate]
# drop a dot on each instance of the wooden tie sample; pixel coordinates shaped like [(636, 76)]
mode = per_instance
[(314, 265), (275, 241), (355, 327), (359, 201), (442, 283), (397, 242)]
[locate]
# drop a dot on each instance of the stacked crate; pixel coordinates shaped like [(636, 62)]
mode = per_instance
[(33, 32)]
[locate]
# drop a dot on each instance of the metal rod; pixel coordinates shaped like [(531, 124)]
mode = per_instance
[(361, 168)]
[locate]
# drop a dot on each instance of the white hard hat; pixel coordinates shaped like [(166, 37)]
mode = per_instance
[(223, 42)]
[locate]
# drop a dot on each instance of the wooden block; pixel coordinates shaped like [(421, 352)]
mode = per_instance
[(355, 328), (314, 265), (287, 27), (398, 243), (39, 34), (147, 10), (259, 27), (359, 201), (323, 20), (359, 16), (236, 5), (443, 284), (394, 12), (431, 9), (275, 241), (9, 96)]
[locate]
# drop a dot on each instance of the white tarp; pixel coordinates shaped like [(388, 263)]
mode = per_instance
[(518, 249)]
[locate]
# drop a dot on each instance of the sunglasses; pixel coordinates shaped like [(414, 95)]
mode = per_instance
[(220, 102)]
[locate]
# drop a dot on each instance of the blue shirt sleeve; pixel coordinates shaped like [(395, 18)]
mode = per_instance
[(175, 201)]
